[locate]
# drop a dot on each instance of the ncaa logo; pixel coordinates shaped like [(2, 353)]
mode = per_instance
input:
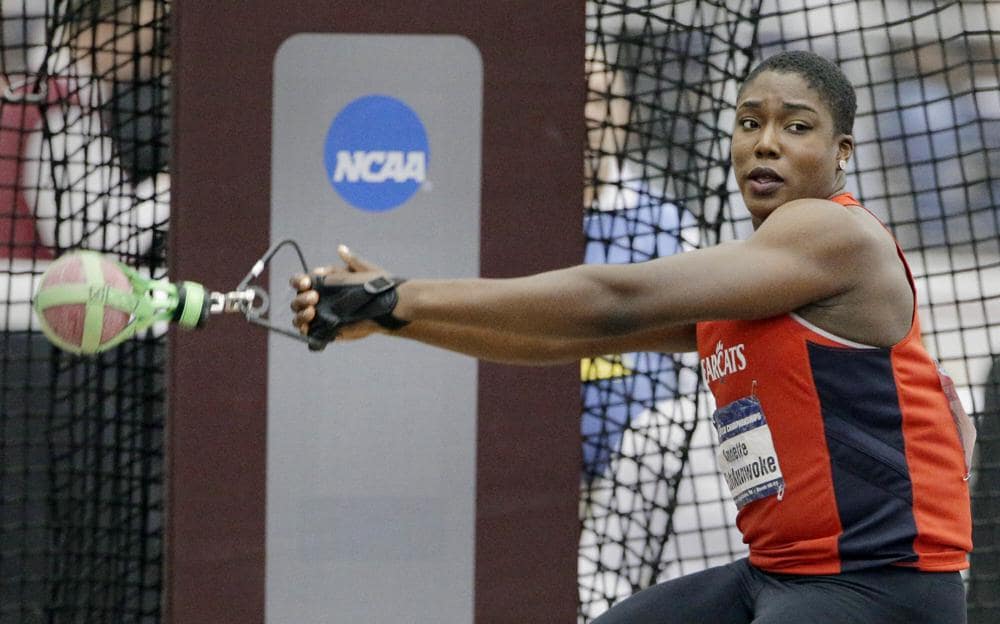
[(376, 153)]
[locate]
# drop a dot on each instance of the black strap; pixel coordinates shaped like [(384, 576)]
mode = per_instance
[(343, 304)]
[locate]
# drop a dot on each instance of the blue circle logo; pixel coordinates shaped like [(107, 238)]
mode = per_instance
[(376, 153)]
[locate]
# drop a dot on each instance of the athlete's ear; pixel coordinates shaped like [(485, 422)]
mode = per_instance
[(845, 147)]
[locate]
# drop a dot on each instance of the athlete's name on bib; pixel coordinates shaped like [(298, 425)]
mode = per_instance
[(736, 452), (746, 455), (760, 467)]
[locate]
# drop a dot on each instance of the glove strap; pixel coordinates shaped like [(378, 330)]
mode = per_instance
[(384, 290)]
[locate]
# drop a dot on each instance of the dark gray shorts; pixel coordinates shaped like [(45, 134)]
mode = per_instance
[(739, 593)]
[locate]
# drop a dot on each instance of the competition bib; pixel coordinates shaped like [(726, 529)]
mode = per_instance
[(746, 455)]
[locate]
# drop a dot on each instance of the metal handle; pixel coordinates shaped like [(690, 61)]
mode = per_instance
[(252, 301)]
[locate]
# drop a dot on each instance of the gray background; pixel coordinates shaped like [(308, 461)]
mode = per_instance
[(371, 446)]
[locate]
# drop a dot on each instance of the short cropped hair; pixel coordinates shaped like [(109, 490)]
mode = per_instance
[(834, 88)]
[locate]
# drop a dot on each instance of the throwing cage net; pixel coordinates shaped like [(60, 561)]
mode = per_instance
[(662, 83), (83, 164)]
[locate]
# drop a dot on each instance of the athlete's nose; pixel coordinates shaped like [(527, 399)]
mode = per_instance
[(767, 145)]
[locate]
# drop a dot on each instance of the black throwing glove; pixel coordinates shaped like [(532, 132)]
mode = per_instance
[(343, 304)]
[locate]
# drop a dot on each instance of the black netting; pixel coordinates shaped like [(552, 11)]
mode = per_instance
[(83, 164), (662, 80)]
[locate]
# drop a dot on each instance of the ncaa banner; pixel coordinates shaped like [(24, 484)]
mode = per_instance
[(376, 153), (371, 461)]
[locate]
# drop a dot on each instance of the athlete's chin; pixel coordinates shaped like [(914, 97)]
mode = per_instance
[(761, 207)]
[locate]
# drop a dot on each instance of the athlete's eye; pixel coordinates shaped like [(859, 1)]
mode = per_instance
[(798, 127), (749, 123)]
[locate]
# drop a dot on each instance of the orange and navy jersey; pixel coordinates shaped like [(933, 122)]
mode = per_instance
[(841, 456)]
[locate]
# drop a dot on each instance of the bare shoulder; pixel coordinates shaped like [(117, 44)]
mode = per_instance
[(815, 214), (849, 247), (823, 226)]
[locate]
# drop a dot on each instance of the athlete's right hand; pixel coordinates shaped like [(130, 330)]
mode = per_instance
[(355, 270)]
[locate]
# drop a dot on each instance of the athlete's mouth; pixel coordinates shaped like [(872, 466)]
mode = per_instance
[(764, 180)]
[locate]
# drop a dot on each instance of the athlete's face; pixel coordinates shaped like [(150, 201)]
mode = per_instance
[(784, 144)]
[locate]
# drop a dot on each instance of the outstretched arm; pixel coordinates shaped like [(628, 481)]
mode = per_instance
[(485, 343), (805, 252), (802, 254)]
